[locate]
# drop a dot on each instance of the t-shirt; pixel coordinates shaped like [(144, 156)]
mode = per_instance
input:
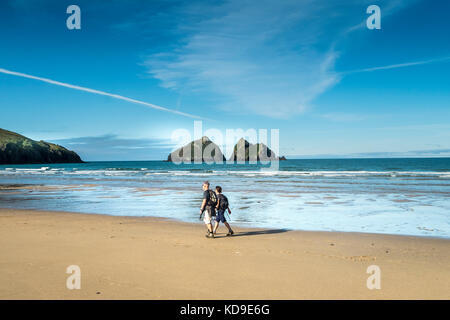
[(206, 196)]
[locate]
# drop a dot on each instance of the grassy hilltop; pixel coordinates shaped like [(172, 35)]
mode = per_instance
[(17, 149)]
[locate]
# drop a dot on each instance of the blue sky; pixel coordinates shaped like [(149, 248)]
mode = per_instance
[(308, 68)]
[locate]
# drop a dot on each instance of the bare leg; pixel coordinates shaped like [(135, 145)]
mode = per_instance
[(216, 226), (228, 226)]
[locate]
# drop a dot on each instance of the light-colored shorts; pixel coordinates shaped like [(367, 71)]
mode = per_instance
[(207, 216)]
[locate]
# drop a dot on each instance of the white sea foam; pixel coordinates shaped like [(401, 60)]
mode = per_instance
[(243, 173)]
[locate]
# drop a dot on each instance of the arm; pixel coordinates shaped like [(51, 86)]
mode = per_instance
[(218, 202), (202, 208)]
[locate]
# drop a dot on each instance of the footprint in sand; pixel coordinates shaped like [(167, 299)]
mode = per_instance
[(361, 258)]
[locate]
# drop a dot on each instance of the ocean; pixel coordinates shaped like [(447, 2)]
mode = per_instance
[(392, 196)]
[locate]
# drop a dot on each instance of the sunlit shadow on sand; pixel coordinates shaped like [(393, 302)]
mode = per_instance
[(252, 233)]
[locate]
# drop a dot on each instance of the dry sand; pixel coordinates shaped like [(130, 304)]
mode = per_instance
[(149, 258)]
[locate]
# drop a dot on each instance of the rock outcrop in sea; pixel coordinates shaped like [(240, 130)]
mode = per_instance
[(246, 151), (204, 150), (200, 150)]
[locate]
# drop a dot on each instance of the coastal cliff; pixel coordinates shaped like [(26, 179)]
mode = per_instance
[(17, 149)]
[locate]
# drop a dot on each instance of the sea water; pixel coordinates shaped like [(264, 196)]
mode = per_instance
[(395, 196)]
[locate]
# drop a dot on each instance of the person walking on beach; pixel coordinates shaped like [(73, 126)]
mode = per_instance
[(222, 206), (208, 206)]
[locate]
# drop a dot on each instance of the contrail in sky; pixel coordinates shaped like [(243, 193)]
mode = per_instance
[(115, 96), (395, 66)]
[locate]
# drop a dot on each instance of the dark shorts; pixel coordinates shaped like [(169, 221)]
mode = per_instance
[(220, 216)]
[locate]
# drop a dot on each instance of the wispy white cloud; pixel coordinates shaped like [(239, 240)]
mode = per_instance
[(113, 147), (264, 57), (388, 9), (440, 153), (344, 117), (115, 96)]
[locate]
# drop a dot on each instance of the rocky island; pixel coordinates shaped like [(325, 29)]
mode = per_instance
[(245, 151), (200, 150), (204, 150)]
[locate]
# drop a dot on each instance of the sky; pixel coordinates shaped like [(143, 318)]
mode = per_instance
[(138, 71)]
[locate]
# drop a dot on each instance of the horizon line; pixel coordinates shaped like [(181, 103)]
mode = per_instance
[(287, 158)]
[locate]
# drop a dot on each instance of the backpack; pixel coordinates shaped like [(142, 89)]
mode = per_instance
[(223, 205), (212, 199)]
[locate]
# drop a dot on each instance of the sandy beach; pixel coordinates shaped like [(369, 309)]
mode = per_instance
[(151, 258)]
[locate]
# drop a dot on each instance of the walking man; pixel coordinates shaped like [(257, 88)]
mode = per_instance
[(208, 208), (222, 206)]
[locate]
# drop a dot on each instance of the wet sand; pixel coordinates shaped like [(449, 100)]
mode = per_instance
[(151, 258)]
